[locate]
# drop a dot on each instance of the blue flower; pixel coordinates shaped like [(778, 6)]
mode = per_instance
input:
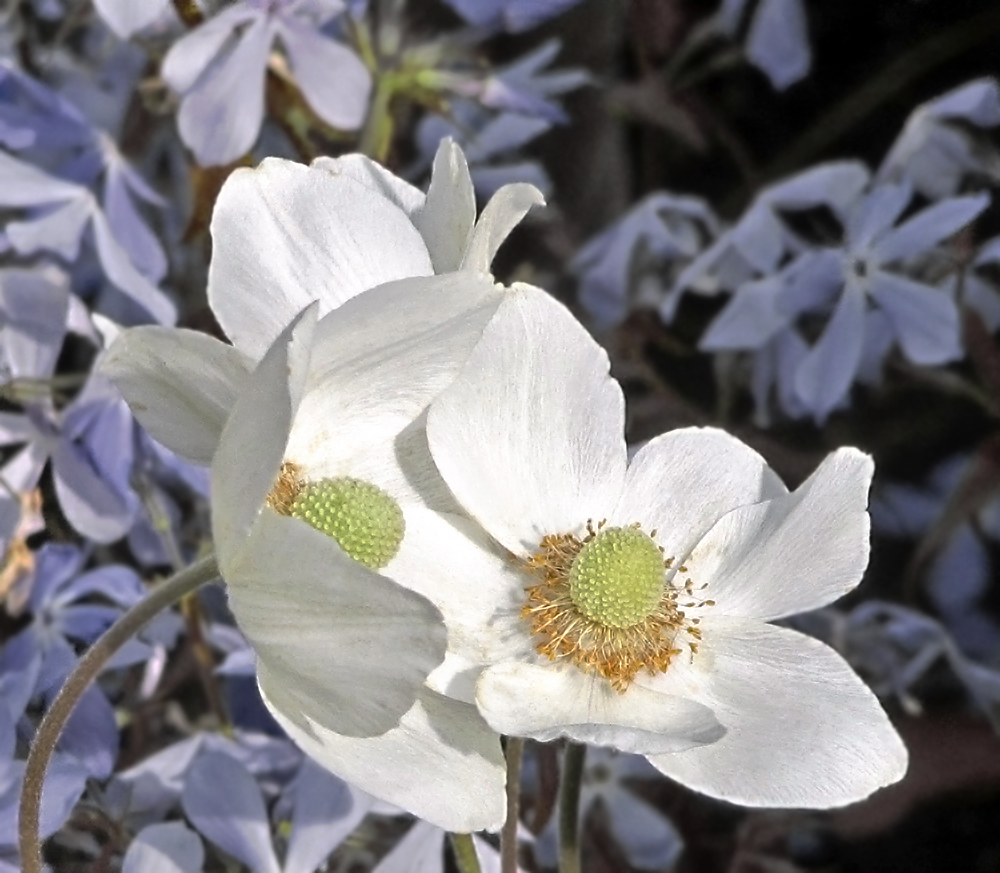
[(943, 141), (219, 70), (57, 215), (777, 39), (668, 230), (868, 290), (514, 16)]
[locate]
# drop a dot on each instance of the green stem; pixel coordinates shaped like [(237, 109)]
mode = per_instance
[(508, 836), (569, 807), (466, 858), (162, 596), (376, 138)]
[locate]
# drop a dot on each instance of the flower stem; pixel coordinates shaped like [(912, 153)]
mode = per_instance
[(508, 836), (569, 807), (466, 858), (376, 136), (162, 596)]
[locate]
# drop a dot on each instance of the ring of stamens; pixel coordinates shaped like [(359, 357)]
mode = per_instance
[(613, 648)]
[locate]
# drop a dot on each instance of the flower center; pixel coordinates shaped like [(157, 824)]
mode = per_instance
[(608, 603), (617, 578), (365, 521)]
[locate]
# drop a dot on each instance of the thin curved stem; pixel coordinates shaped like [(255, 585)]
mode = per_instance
[(569, 807), (508, 836), (466, 858), (162, 596)]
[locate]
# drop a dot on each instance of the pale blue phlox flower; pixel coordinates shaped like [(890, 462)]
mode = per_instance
[(219, 69), (513, 16), (943, 142), (670, 230), (777, 37)]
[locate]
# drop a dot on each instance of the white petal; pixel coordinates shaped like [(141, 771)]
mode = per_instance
[(180, 384), (793, 553), (499, 217), (683, 482), (332, 77), (544, 701), (442, 763), (252, 444), (449, 213), (530, 436), (924, 319), (364, 170), (378, 361), (802, 729), (477, 587), (348, 648), (328, 238), (825, 375)]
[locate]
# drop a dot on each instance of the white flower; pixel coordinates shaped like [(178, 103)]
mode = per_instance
[(593, 633), (285, 234), (323, 489)]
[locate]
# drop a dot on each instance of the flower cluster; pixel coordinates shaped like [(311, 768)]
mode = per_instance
[(271, 308), (423, 450)]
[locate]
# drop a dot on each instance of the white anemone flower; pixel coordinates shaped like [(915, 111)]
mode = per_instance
[(324, 495), (636, 609), (285, 234)]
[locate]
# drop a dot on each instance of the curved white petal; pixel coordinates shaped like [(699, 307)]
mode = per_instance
[(253, 441), (448, 215), (364, 170), (499, 217), (443, 763), (683, 482), (545, 701), (478, 588), (285, 235), (796, 552), (180, 384), (348, 647), (378, 361), (802, 729), (530, 436)]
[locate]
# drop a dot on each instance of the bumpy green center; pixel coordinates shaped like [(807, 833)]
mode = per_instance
[(365, 521), (617, 578)]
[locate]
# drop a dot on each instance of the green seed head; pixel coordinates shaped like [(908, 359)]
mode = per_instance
[(617, 578), (365, 521)]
